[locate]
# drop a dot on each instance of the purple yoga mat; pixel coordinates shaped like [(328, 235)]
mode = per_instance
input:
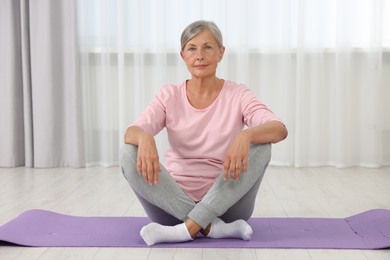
[(40, 228)]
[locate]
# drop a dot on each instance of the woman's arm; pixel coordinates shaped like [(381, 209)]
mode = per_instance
[(270, 132), (132, 135), (147, 159)]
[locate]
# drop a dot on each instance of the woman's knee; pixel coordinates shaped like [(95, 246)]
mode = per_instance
[(260, 151), (128, 159), (127, 152)]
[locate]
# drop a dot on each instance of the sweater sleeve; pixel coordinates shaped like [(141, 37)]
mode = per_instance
[(152, 119), (254, 111)]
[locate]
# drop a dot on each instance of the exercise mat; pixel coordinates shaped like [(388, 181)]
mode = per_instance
[(41, 228)]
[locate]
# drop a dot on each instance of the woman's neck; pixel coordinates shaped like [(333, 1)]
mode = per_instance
[(202, 93), (204, 86)]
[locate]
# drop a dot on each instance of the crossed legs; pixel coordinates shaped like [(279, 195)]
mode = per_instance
[(177, 218)]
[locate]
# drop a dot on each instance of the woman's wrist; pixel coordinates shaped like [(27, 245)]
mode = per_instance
[(247, 134)]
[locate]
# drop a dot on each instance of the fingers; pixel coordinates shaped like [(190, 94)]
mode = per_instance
[(157, 171), (226, 165), (235, 167), (149, 169), (235, 170), (150, 172)]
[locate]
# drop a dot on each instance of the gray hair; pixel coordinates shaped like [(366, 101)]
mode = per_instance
[(197, 27)]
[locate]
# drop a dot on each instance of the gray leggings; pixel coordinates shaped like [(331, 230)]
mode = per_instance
[(167, 204)]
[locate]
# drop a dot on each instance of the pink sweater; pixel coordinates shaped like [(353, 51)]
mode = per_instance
[(200, 138)]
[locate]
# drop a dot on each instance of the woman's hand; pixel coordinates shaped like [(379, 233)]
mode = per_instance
[(236, 161), (148, 160)]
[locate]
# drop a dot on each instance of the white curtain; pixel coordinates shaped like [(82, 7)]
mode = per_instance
[(323, 66)]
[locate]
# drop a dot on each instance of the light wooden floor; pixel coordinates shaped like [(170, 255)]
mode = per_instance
[(293, 192)]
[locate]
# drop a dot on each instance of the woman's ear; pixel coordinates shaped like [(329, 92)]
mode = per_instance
[(182, 55), (221, 53)]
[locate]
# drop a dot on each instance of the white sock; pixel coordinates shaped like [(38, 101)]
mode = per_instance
[(154, 233), (237, 229)]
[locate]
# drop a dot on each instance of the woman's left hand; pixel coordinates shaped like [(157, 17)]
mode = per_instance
[(236, 161)]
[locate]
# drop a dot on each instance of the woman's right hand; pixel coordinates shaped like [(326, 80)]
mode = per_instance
[(148, 164)]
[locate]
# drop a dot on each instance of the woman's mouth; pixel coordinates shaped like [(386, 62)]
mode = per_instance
[(200, 66)]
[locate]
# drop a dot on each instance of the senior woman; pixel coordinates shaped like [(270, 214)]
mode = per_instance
[(214, 164)]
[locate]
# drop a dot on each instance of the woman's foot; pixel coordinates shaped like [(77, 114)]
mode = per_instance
[(236, 229), (155, 233)]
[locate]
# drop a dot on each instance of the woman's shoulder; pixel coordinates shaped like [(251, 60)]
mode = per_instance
[(171, 90), (234, 88), (239, 92), (172, 87)]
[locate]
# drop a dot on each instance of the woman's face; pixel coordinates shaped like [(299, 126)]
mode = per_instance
[(202, 54)]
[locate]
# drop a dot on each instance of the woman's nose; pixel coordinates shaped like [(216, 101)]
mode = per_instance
[(200, 55)]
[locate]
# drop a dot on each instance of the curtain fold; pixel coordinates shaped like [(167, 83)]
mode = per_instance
[(41, 99), (11, 94)]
